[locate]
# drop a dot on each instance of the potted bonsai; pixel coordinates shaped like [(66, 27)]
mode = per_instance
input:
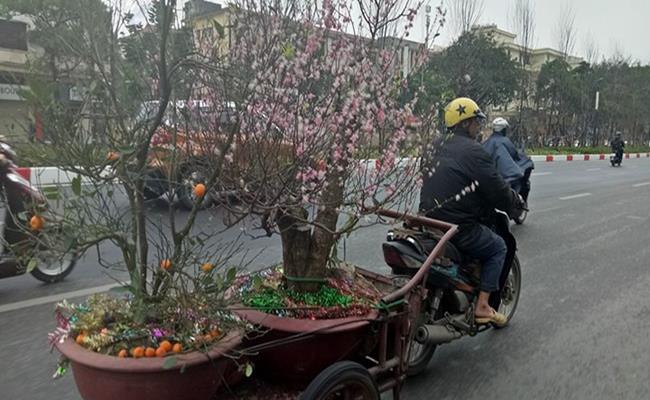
[(169, 329), (327, 98)]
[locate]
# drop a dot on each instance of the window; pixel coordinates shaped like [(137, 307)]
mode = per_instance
[(13, 35)]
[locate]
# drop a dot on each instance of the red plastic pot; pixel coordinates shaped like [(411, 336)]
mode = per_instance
[(196, 375), (301, 360)]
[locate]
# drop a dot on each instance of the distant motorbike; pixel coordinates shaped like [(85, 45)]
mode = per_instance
[(617, 158), (452, 286), (25, 249)]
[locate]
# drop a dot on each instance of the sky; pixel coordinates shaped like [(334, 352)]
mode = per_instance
[(616, 26)]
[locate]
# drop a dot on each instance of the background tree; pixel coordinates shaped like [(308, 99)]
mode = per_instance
[(464, 14), (565, 31), (523, 22), (115, 76), (55, 33), (473, 66)]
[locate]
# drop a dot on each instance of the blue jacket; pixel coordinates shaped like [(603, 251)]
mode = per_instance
[(510, 163)]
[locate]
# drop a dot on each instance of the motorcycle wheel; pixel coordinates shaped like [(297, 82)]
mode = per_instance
[(52, 270), (155, 184), (420, 354), (520, 219), (510, 292)]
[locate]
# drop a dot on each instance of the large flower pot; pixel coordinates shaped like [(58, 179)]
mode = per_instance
[(195, 376), (330, 341)]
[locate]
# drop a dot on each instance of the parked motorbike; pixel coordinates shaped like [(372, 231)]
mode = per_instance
[(452, 286), (616, 159), (25, 249)]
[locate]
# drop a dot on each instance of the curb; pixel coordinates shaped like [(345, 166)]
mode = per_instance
[(583, 157)]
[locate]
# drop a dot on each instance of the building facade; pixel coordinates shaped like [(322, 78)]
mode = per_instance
[(533, 59), (16, 119), (210, 21)]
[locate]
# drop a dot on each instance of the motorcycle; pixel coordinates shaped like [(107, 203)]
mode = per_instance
[(25, 247), (523, 188), (452, 286), (617, 158)]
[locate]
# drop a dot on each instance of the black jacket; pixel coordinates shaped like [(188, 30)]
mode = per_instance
[(456, 163), (617, 144)]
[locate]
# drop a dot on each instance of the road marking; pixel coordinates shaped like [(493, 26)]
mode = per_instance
[(545, 209), (641, 184), (575, 196), (593, 169), (540, 173), (635, 217), (56, 297)]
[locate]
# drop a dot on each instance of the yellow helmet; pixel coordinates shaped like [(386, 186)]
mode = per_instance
[(461, 109)]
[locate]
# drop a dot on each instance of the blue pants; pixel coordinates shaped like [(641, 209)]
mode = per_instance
[(479, 241)]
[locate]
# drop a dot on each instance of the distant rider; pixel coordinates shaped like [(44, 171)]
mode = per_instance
[(513, 165), (618, 144)]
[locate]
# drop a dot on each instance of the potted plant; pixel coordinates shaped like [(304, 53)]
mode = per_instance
[(333, 113), (168, 333)]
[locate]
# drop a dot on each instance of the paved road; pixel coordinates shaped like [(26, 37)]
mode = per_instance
[(580, 331)]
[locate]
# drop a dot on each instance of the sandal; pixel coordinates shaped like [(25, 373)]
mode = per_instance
[(497, 319)]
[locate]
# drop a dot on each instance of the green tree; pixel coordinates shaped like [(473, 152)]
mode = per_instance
[(476, 67), (473, 66)]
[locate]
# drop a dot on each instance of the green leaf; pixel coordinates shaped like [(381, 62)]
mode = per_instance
[(232, 274), (76, 185), (257, 282), (33, 263), (170, 362), (219, 28), (248, 370), (69, 242), (288, 51), (51, 193), (127, 150)]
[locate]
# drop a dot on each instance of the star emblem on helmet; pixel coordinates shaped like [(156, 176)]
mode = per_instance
[(460, 109)]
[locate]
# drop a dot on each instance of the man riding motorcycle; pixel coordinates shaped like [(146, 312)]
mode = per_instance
[(514, 166), (462, 186), (618, 144)]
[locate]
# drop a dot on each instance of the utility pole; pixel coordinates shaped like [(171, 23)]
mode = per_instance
[(596, 115)]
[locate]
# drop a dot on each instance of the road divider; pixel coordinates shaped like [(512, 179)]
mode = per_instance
[(583, 157)]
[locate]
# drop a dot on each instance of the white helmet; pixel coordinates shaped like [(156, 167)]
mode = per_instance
[(499, 124)]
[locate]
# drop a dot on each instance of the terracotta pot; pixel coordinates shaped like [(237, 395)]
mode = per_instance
[(196, 375), (333, 340)]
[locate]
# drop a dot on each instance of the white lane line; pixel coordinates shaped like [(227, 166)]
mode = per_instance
[(56, 297), (540, 173), (545, 209), (575, 196), (641, 184), (593, 169), (635, 217)]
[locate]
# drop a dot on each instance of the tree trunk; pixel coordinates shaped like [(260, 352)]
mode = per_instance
[(306, 247), (295, 234)]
